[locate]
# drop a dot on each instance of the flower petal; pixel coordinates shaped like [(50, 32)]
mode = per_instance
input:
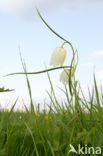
[(58, 56)]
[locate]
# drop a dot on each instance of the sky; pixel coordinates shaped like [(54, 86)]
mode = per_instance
[(80, 22)]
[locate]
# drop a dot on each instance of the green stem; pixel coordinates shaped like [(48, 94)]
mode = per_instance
[(65, 41), (63, 44), (60, 38), (39, 72)]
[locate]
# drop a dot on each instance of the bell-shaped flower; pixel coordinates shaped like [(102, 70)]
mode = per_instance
[(64, 77), (58, 57)]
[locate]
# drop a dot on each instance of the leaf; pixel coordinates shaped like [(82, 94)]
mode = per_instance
[(6, 90), (39, 72)]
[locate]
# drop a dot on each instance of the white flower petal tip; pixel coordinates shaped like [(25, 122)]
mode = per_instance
[(58, 57), (64, 77)]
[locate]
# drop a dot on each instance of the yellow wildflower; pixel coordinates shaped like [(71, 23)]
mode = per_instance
[(37, 114), (48, 117)]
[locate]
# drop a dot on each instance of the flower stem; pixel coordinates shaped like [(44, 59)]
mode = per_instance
[(65, 41), (60, 38), (39, 72)]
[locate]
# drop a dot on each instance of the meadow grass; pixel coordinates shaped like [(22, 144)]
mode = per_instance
[(50, 133), (78, 120)]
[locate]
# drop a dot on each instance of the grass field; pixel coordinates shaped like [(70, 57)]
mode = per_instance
[(75, 122), (34, 133)]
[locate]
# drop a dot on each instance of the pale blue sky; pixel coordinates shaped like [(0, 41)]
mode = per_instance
[(80, 23)]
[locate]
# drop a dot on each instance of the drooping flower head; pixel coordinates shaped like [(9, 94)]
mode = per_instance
[(58, 57), (64, 77)]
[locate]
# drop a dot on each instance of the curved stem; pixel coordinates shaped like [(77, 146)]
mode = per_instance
[(60, 38), (39, 72), (65, 41), (54, 31), (63, 44), (73, 59), (51, 28)]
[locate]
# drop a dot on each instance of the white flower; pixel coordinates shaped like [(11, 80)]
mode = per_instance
[(58, 56), (64, 77)]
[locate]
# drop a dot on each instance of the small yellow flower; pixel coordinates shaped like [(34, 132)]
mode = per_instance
[(58, 57), (48, 117), (36, 114), (65, 76)]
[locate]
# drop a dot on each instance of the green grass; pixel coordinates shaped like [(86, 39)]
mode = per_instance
[(50, 133)]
